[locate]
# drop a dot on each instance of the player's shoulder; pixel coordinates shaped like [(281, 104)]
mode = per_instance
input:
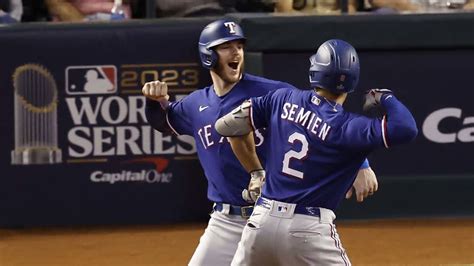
[(284, 94), (199, 93), (258, 79), (194, 98), (292, 92), (351, 116), (264, 83)]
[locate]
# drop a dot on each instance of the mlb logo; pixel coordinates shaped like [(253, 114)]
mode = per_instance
[(315, 100), (282, 208), (91, 79)]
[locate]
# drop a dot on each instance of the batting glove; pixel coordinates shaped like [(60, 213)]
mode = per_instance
[(257, 179), (373, 97)]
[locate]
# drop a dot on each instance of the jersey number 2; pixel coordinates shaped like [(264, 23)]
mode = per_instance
[(299, 155)]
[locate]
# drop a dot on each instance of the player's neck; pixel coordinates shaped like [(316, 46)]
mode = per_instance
[(338, 98), (221, 87)]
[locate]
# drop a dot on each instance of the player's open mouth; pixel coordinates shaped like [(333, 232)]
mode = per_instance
[(233, 65)]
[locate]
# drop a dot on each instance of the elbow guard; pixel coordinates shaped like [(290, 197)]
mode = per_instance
[(235, 123)]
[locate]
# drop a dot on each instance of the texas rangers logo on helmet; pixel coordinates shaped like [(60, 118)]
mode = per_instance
[(230, 26)]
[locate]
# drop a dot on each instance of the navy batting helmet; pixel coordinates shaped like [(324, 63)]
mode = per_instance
[(335, 67), (215, 33)]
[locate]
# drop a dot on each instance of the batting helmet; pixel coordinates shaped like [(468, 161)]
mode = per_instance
[(215, 33), (335, 67)]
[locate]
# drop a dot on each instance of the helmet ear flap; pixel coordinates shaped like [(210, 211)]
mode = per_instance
[(213, 58), (209, 57)]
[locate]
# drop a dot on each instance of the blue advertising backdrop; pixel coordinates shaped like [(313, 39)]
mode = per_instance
[(115, 169)]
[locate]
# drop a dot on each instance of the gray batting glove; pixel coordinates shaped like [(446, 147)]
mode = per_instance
[(373, 97), (257, 179)]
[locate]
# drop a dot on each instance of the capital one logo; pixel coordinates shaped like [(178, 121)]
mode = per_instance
[(230, 26), (432, 132)]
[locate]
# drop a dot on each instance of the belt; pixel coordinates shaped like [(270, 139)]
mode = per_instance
[(312, 211), (244, 211)]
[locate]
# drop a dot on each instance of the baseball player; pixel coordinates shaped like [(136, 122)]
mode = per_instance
[(221, 51), (316, 151)]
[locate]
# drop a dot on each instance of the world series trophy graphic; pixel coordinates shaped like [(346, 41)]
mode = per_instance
[(36, 127)]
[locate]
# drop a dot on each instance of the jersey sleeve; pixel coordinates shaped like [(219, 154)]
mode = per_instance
[(156, 115), (361, 132), (179, 117), (261, 109), (397, 127), (400, 126), (286, 86)]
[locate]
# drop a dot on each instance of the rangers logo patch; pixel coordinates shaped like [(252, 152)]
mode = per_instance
[(230, 26)]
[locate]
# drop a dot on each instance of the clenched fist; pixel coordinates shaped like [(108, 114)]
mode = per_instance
[(373, 98), (156, 90)]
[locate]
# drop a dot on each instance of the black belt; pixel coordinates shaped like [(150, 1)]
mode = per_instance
[(312, 211), (244, 211)]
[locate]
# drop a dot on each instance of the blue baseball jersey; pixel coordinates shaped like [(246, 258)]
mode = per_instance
[(316, 146), (196, 114)]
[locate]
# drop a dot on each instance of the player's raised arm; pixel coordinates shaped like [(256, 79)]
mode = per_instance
[(156, 93), (398, 125)]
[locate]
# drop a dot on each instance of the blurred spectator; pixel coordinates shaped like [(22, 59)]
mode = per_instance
[(391, 6), (79, 10), (443, 5), (469, 5), (329, 7), (10, 11), (189, 8), (432, 6), (321, 7)]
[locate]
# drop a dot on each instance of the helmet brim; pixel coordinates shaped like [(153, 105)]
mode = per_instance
[(224, 40)]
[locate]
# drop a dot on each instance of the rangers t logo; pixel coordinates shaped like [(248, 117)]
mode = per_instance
[(230, 26)]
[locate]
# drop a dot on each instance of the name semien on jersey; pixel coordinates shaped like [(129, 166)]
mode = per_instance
[(306, 118)]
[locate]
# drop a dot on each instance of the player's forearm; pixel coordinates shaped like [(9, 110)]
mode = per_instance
[(244, 150), (400, 124), (235, 123), (156, 115)]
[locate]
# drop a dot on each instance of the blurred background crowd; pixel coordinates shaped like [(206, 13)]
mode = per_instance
[(14, 11)]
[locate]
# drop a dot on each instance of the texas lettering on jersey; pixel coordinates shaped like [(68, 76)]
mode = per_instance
[(210, 137), (196, 114)]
